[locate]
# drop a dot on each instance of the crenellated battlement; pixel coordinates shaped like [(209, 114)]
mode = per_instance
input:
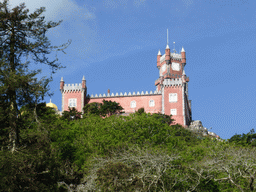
[(172, 82), (175, 56), (72, 87), (126, 95)]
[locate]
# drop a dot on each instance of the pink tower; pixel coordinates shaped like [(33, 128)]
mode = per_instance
[(173, 84), (73, 95)]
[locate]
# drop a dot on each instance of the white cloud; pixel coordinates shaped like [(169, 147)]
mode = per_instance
[(56, 9), (79, 24)]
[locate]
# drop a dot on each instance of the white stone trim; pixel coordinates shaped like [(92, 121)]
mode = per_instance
[(129, 94), (172, 82), (62, 106), (183, 105), (82, 99), (175, 56), (72, 87)]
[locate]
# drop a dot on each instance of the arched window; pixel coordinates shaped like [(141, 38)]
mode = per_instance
[(133, 104), (151, 103)]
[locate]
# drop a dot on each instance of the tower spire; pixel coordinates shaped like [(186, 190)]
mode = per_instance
[(167, 37)]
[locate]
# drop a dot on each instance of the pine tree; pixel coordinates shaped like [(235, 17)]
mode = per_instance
[(22, 36)]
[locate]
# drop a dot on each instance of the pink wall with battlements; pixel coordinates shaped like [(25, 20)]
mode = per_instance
[(141, 101)]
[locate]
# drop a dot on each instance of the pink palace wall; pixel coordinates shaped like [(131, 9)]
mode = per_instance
[(141, 101)]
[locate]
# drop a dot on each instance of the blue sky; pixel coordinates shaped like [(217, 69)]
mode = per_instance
[(115, 45)]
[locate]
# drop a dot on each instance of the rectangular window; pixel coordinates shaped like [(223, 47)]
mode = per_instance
[(173, 111), (173, 97), (151, 103), (72, 102), (133, 104)]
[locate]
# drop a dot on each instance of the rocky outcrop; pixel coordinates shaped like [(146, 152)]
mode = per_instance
[(197, 126)]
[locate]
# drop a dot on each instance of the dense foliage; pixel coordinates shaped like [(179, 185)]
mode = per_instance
[(106, 108), (121, 153), (248, 139)]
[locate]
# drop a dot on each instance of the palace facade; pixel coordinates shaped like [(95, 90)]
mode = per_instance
[(170, 96)]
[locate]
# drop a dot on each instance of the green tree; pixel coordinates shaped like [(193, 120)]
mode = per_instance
[(71, 114), (92, 108), (22, 36), (107, 108), (141, 110), (248, 139)]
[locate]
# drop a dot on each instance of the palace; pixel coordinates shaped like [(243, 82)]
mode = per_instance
[(170, 96)]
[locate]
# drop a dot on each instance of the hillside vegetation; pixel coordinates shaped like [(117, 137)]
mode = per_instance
[(140, 152)]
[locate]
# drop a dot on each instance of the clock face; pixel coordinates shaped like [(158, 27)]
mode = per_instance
[(175, 66), (163, 68)]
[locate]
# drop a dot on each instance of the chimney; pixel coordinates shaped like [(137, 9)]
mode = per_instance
[(108, 91)]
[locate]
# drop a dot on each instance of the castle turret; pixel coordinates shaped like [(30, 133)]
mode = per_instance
[(183, 57), (62, 93), (167, 55), (83, 83), (158, 58), (61, 84), (83, 94)]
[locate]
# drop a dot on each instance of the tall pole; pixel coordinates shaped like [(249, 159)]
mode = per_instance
[(167, 37)]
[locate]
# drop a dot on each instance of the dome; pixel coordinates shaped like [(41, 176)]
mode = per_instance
[(52, 105)]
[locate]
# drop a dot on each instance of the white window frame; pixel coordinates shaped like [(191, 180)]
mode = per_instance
[(72, 102), (151, 103), (173, 97), (133, 104), (173, 111)]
